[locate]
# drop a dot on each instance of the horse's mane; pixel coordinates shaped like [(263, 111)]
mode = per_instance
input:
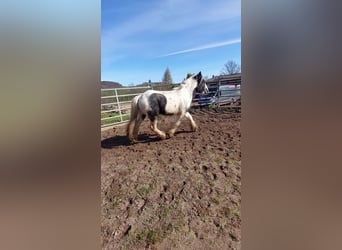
[(179, 87), (182, 84)]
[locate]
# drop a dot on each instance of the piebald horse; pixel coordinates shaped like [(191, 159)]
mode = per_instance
[(174, 102)]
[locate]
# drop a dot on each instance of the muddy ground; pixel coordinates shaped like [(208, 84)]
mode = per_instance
[(179, 193)]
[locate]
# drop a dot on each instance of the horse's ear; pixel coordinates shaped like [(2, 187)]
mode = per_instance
[(198, 76)]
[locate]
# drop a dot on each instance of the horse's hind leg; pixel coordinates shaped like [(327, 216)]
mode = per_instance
[(130, 129), (138, 122), (154, 128), (193, 124), (133, 116)]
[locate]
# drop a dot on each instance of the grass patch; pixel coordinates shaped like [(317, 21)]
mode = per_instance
[(143, 191), (218, 160), (125, 117), (212, 106), (141, 236), (215, 201), (237, 214), (114, 205), (153, 235), (150, 236), (167, 210)]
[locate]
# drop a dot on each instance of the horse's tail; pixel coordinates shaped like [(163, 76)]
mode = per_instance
[(133, 117)]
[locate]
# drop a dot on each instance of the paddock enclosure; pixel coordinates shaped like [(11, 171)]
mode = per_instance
[(179, 193), (115, 102)]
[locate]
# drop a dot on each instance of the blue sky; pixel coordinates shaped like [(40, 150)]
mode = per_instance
[(140, 39)]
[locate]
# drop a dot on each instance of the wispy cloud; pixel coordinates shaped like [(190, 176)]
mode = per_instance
[(203, 47), (133, 33), (170, 16)]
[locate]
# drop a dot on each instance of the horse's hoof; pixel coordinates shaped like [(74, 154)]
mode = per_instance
[(194, 129), (132, 140), (171, 133)]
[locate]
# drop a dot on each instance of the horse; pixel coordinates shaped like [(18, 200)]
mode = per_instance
[(175, 102)]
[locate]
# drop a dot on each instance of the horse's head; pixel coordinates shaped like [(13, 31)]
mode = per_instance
[(201, 84)]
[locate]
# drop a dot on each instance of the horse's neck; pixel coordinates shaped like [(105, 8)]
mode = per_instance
[(190, 86)]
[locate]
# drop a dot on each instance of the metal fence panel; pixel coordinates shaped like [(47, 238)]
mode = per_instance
[(116, 102)]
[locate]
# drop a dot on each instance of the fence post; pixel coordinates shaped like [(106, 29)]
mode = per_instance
[(117, 101)]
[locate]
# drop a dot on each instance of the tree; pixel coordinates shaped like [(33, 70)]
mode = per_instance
[(230, 68), (167, 76), (188, 75)]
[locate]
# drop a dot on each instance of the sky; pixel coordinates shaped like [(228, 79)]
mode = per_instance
[(140, 39)]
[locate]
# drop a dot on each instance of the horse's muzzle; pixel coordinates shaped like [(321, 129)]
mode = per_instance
[(205, 91)]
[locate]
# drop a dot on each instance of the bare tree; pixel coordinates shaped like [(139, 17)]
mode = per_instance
[(167, 76), (231, 67)]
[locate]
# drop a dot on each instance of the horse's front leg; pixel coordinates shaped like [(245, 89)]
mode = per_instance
[(154, 128), (193, 124), (175, 125)]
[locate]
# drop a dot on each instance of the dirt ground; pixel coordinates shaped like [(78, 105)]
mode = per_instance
[(179, 193)]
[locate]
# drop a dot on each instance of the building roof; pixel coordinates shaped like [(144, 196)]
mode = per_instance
[(234, 79)]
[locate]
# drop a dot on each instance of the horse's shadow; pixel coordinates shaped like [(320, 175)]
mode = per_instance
[(122, 140)]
